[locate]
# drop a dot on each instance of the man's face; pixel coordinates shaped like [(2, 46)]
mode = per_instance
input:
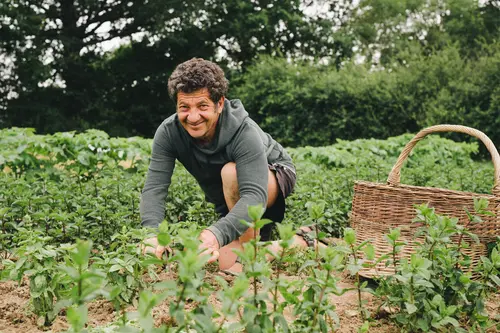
[(198, 114)]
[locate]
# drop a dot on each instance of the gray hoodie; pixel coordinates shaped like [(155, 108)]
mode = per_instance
[(237, 139)]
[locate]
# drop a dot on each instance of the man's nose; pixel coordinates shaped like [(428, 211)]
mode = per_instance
[(193, 116)]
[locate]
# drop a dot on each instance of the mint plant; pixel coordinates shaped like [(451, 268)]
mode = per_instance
[(86, 283), (435, 288), (280, 285), (38, 260), (316, 211), (256, 316), (356, 263), (315, 313), (125, 267)]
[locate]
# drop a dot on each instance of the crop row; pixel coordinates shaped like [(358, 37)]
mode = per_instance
[(70, 223)]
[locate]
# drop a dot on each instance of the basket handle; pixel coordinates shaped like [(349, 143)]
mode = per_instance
[(394, 175)]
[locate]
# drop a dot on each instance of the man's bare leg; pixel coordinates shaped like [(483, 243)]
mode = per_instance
[(227, 257)]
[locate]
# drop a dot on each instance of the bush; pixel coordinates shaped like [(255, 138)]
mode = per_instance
[(304, 104)]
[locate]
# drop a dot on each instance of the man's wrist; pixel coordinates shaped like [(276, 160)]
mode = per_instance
[(216, 234)]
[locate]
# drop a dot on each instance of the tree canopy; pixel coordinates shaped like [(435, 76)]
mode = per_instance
[(58, 73)]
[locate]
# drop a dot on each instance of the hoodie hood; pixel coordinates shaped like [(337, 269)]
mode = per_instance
[(230, 120)]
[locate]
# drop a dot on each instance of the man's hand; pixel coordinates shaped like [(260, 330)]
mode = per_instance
[(151, 246), (209, 244)]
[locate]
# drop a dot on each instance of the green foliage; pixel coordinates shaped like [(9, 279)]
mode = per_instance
[(60, 75), (425, 62), (38, 260), (328, 173), (435, 288), (125, 267), (315, 313), (304, 104), (59, 206), (356, 263)]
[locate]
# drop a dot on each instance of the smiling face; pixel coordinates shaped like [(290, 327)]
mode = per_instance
[(198, 114)]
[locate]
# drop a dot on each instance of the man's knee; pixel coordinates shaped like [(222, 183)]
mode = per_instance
[(228, 173)]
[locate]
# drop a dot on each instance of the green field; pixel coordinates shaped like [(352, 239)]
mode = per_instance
[(70, 233)]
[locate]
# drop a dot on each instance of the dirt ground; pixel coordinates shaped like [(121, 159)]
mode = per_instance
[(16, 317)]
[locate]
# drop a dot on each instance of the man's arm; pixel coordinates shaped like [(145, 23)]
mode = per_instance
[(158, 179), (252, 172)]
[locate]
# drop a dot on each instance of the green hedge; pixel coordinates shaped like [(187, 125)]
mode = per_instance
[(303, 104)]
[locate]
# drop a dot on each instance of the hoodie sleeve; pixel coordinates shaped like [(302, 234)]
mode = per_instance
[(158, 179), (252, 172)]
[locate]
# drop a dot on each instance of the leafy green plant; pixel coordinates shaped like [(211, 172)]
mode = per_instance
[(61, 190), (356, 263), (435, 288), (315, 313), (125, 267), (86, 283), (256, 316), (37, 260)]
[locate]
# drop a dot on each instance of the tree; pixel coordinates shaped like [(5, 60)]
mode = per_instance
[(57, 48), (394, 32), (64, 79)]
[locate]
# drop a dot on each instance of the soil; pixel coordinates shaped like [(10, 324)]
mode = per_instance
[(16, 316)]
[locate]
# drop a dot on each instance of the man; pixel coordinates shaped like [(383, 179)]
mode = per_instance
[(236, 164)]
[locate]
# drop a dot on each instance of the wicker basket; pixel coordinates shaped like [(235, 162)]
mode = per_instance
[(378, 207)]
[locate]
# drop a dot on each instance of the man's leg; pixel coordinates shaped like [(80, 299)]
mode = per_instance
[(227, 258), (232, 195)]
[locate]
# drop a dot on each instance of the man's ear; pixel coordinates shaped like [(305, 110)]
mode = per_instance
[(220, 104)]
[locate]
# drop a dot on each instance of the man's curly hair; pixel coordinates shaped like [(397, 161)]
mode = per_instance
[(195, 74)]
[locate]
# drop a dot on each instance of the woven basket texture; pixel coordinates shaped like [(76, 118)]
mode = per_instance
[(378, 207)]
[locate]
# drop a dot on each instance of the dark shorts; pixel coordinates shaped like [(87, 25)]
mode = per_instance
[(286, 182)]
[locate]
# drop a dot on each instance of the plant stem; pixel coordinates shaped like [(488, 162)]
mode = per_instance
[(431, 256), (316, 246), (459, 243), (321, 295), (412, 297), (225, 316), (360, 303), (79, 285), (394, 258), (276, 286), (180, 297)]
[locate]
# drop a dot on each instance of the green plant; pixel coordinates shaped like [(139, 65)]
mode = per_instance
[(356, 263), (38, 260), (51, 199), (315, 313), (435, 288), (125, 267), (86, 283)]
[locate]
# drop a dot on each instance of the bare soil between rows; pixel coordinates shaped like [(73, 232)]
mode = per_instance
[(16, 316)]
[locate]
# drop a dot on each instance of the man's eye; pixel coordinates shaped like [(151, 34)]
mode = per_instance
[(204, 106), (183, 108)]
